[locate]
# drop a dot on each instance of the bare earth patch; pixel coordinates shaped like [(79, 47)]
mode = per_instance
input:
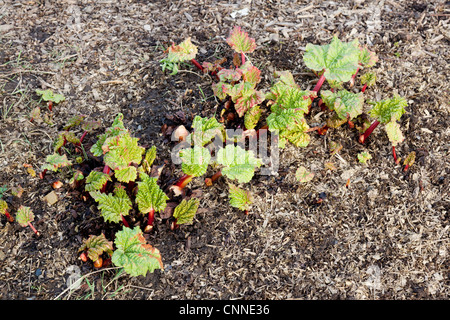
[(386, 236)]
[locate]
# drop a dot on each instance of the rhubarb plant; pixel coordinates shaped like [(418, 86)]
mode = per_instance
[(50, 97), (134, 254), (185, 51), (387, 112), (288, 105), (239, 198), (94, 247), (4, 210), (113, 207), (24, 217)]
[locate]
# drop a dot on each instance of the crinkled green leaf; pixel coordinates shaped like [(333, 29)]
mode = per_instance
[(149, 158), (48, 95), (251, 117), (95, 246), (95, 181), (184, 213), (389, 109), (229, 75), (239, 163), (247, 99), (56, 161), (251, 74), (347, 105), (240, 41), (117, 128), (220, 89), (113, 206), (134, 254), (369, 78), (204, 130), (297, 135), (66, 136), (90, 126), (182, 52), (122, 151), (150, 196), (339, 60), (126, 174), (367, 58), (239, 198), (75, 121), (303, 175), (363, 157), (394, 133), (24, 215), (195, 160)]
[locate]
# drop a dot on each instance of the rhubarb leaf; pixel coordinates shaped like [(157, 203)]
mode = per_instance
[(338, 60), (95, 246), (75, 121), (122, 151), (113, 207), (369, 78), (3, 206), (251, 74), (346, 104), (65, 136), (367, 58), (240, 41), (90, 126), (96, 180), (239, 198), (251, 117), (150, 196), (410, 159), (134, 254), (394, 133), (182, 52), (184, 213), (229, 75), (48, 95), (117, 128), (195, 160), (55, 161), (363, 157), (24, 215), (247, 99), (297, 135), (303, 175), (389, 110), (126, 174), (204, 130), (149, 158), (239, 163)]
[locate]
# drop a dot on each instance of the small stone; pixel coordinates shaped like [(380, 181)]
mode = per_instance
[(51, 198)]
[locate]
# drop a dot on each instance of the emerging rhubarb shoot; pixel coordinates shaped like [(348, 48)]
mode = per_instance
[(209, 181), (4, 210), (240, 199), (24, 217), (94, 247), (409, 160)]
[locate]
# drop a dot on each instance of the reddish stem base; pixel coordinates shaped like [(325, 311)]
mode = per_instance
[(366, 134), (34, 229)]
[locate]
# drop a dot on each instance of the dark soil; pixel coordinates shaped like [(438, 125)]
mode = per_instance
[(385, 236)]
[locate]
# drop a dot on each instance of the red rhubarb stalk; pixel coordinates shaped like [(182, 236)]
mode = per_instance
[(198, 65), (364, 88), (8, 216), (319, 83), (209, 181), (352, 80), (366, 134), (125, 223), (83, 136), (395, 155), (33, 228), (184, 180), (243, 57), (106, 170)]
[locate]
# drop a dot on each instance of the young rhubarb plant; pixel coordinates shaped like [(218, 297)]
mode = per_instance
[(184, 213), (387, 112), (409, 160), (150, 198), (185, 51), (240, 199), (288, 104), (134, 254), (50, 97), (363, 157), (4, 210), (347, 106), (337, 61), (195, 163), (24, 217), (53, 163), (94, 247), (238, 164)]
